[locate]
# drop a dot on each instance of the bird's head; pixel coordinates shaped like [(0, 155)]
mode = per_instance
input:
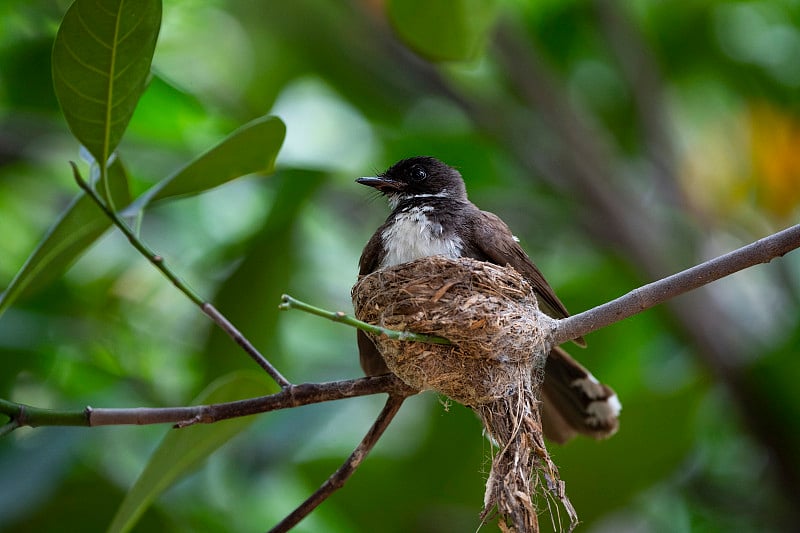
[(417, 177)]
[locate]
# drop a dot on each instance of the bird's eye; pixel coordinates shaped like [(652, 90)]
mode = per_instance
[(418, 173)]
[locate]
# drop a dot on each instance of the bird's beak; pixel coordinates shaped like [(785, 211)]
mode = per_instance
[(385, 185)]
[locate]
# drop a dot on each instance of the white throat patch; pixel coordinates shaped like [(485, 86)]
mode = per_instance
[(413, 235)]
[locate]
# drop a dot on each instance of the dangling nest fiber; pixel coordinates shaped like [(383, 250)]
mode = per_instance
[(494, 364)]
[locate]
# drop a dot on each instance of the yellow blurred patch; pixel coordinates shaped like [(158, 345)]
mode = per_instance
[(716, 167), (775, 151), (743, 163)]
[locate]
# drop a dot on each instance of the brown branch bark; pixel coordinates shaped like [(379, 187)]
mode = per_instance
[(647, 296), (292, 396), (237, 336), (613, 214), (340, 477)]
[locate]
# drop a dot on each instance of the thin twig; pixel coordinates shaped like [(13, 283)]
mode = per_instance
[(140, 246), (8, 427), (246, 345), (647, 296), (287, 302), (181, 285), (340, 477), (292, 396)]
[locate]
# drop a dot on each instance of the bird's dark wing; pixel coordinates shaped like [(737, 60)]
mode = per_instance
[(371, 361), (497, 244), (368, 263)]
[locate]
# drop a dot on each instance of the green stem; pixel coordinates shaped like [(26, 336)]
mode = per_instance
[(25, 415), (182, 286), (107, 186), (287, 302), (145, 250)]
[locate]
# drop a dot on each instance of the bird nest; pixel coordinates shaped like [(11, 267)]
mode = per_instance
[(489, 314), (494, 363)]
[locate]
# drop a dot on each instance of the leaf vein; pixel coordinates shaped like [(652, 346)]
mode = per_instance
[(133, 28), (74, 89), (88, 29), (79, 59)]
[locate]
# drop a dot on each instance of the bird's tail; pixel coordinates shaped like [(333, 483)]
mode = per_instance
[(574, 401)]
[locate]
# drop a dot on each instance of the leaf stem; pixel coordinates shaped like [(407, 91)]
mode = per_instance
[(287, 303)]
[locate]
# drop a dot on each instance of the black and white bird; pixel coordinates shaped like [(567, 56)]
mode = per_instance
[(431, 215)]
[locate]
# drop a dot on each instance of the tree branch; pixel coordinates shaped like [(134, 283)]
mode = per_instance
[(292, 396), (158, 262), (338, 478), (647, 296), (245, 344)]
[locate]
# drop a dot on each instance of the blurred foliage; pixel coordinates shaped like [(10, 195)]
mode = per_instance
[(443, 30), (692, 107)]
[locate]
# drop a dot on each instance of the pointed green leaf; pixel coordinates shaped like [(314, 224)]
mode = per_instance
[(250, 149), (101, 61), (78, 228), (182, 450), (443, 30)]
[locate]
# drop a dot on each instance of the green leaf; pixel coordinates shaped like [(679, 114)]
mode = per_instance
[(78, 228), (250, 149), (443, 30), (183, 449), (101, 61)]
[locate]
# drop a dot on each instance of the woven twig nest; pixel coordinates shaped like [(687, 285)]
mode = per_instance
[(494, 365), (488, 312)]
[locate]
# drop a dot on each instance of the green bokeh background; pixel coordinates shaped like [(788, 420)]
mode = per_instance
[(621, 141)]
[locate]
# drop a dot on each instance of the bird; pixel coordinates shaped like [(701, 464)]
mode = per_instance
[(431, 215)]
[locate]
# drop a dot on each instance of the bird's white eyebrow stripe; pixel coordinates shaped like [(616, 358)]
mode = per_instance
[(444, 194), (395, 199)]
